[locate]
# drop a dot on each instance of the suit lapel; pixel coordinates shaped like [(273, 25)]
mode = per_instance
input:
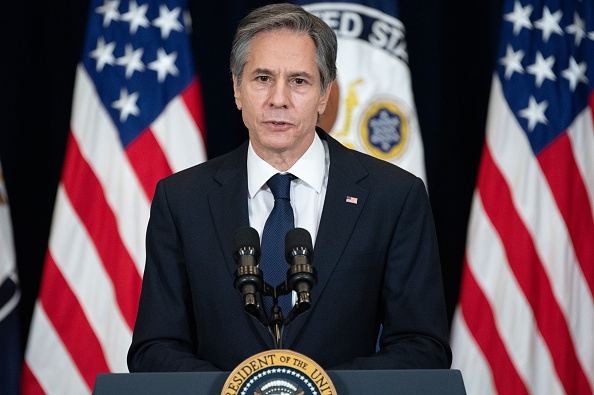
[(338, 221), (228, 207), (228, 204)]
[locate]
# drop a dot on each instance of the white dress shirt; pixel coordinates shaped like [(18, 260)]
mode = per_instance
[(307, 191)]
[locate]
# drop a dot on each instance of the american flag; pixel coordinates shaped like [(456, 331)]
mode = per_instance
[(136, 118), (525, 319), (352, 200)]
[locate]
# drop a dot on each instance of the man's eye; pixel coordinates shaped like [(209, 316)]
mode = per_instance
[(263, 78), (299, 81)]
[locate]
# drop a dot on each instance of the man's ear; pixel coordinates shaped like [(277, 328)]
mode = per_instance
[(236, 93), (324, 99)]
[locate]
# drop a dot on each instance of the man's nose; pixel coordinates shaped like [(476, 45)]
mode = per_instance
[(279, 95)]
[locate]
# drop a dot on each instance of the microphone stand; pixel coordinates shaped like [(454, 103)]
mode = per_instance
[(248, 279), (277, 320)]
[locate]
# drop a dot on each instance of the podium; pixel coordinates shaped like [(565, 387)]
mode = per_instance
[(346, 382)]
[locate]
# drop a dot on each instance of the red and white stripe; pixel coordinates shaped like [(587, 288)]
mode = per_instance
[(525, 318), (83, 320)]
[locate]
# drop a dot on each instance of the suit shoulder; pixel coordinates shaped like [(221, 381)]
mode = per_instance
[(203, 175), (229, 162), (385, 172), (358, 165)]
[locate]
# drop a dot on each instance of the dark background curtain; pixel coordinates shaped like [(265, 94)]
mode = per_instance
[(451, 45)]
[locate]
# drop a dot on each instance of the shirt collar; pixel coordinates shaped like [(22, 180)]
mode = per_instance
[(310, 168)]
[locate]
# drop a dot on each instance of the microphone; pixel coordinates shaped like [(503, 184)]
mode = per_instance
[(248, 277), (302, 276)]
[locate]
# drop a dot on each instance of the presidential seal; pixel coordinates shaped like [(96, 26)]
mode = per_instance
[(278, 372)]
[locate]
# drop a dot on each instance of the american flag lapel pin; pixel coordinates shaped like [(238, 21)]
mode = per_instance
[(352, 200)]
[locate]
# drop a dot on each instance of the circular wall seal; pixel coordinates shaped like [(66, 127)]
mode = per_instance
[(278, 372), (384, 129)]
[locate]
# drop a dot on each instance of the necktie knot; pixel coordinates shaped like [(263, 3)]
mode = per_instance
[(280, 185)]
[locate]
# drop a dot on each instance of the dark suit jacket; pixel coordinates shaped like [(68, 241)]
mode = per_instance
[(377, 263)]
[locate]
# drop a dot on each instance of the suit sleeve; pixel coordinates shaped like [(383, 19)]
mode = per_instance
[(414, 320), (165, 331)]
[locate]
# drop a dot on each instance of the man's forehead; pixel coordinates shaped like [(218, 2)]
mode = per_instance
[(271, 51), (282, 36)]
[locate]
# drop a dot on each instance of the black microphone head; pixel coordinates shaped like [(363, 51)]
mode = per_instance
[(246, 237), (298, 239)]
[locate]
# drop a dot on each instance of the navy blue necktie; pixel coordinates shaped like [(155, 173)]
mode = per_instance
[(280, 220)]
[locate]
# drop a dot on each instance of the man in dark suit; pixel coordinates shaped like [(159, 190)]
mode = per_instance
[(375, 245)]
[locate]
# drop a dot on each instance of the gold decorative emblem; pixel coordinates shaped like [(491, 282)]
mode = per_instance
[(277, 372), (351, 102), (384, 129)]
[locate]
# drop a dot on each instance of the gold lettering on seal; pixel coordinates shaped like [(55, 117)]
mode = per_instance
[(323, 385), (248, 374), (247, 369)]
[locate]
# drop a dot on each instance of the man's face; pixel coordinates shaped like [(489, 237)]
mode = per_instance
[(280, 94)]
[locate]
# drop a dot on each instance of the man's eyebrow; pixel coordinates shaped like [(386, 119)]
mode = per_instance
[(293, 74), (303, 74), (262, 71)]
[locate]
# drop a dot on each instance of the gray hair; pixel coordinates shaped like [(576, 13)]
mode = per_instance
[(293, 18)]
